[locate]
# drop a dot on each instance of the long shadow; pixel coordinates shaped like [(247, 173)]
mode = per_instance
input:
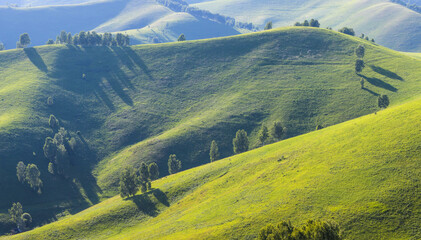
[(379, 83), (161, 196), (138, 61), (373, 93), (145, 204), (35, 58), (386, 72)]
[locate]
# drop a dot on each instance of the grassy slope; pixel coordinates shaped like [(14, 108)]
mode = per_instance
[(364, 174), (163, 98), (390, 24)]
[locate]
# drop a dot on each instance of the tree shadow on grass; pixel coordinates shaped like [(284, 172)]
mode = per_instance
[(145, 204), (379, 83), (386, 73), (35, 58), (373, 93), (161, 196)]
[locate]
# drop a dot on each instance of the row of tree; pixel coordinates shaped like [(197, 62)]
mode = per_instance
[(91, 39), (306, 23)]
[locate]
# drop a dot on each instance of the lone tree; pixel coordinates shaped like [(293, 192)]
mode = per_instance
[(359, 66), (214, 151), (181, 38), (24, 40), (360, 51), (347, 30), (174, 165), (277, 131), (269, 25), (383, 101), (263, 135), (240, 142), (129, 183), (20, 172), (32, 175), (15, 213), (153, 171)]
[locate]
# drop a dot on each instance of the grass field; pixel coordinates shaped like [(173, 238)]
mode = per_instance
[(363, 174), (145, 102)]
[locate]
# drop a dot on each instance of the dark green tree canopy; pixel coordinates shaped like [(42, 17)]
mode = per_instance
[(383, 101), (263, 135), (153, 171), (240, 142), (314, 23), (277, 130), (24, 40), (269, 25), (181, 38), (26, 219), (32, 175), (174, 165), (359, 66), (214, 151), (129, 182), (347, 30), (15, 213)]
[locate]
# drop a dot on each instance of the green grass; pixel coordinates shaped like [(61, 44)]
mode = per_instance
[(363, 174), (146, 102)]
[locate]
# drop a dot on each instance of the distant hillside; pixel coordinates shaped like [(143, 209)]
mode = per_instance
[(363, 174), (390, 24), (144, 103), (147, 21)]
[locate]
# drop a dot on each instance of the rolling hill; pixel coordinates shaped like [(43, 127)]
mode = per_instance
[(363, 174), (390, 24), (147, 20), (145, 102)]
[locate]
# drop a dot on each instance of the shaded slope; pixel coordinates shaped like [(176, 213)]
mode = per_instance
[(390, 24), (364, 174), (146, 102)]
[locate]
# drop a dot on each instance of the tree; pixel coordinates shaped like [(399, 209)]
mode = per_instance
[(24, 40), (153, 171), (120, 39), (32, 175), (145, 182), (174, 165), (360, 51), (129, 183), (53, 122), (51, 168), (306, 23), (314, 23), (62, 37), (50, 149), (263, 135), (240, 142), (277, 131), (181, 38), (15, 213), (298, 24), (359, 66), (347, 30), (20, 171), (268, 25), (1, 46), (214, 151), (50, 42), (26, 220), (383, 101), (69, 38), (362, 81)]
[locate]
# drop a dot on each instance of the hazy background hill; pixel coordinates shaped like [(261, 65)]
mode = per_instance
[(145, 102), (147, 21), (390, 24)]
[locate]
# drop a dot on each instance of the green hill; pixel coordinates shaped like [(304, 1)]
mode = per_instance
[(390, 24), (146, 102), (364, 174)]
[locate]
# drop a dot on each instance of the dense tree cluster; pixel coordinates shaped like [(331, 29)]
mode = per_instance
[(30, 175), (59, 148), (347, 30), (131, 180), (383, 101), (21, 219), (306, 23), (312, 230), (91, 39)]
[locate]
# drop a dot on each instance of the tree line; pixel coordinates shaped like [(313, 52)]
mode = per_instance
[(91, 39)]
